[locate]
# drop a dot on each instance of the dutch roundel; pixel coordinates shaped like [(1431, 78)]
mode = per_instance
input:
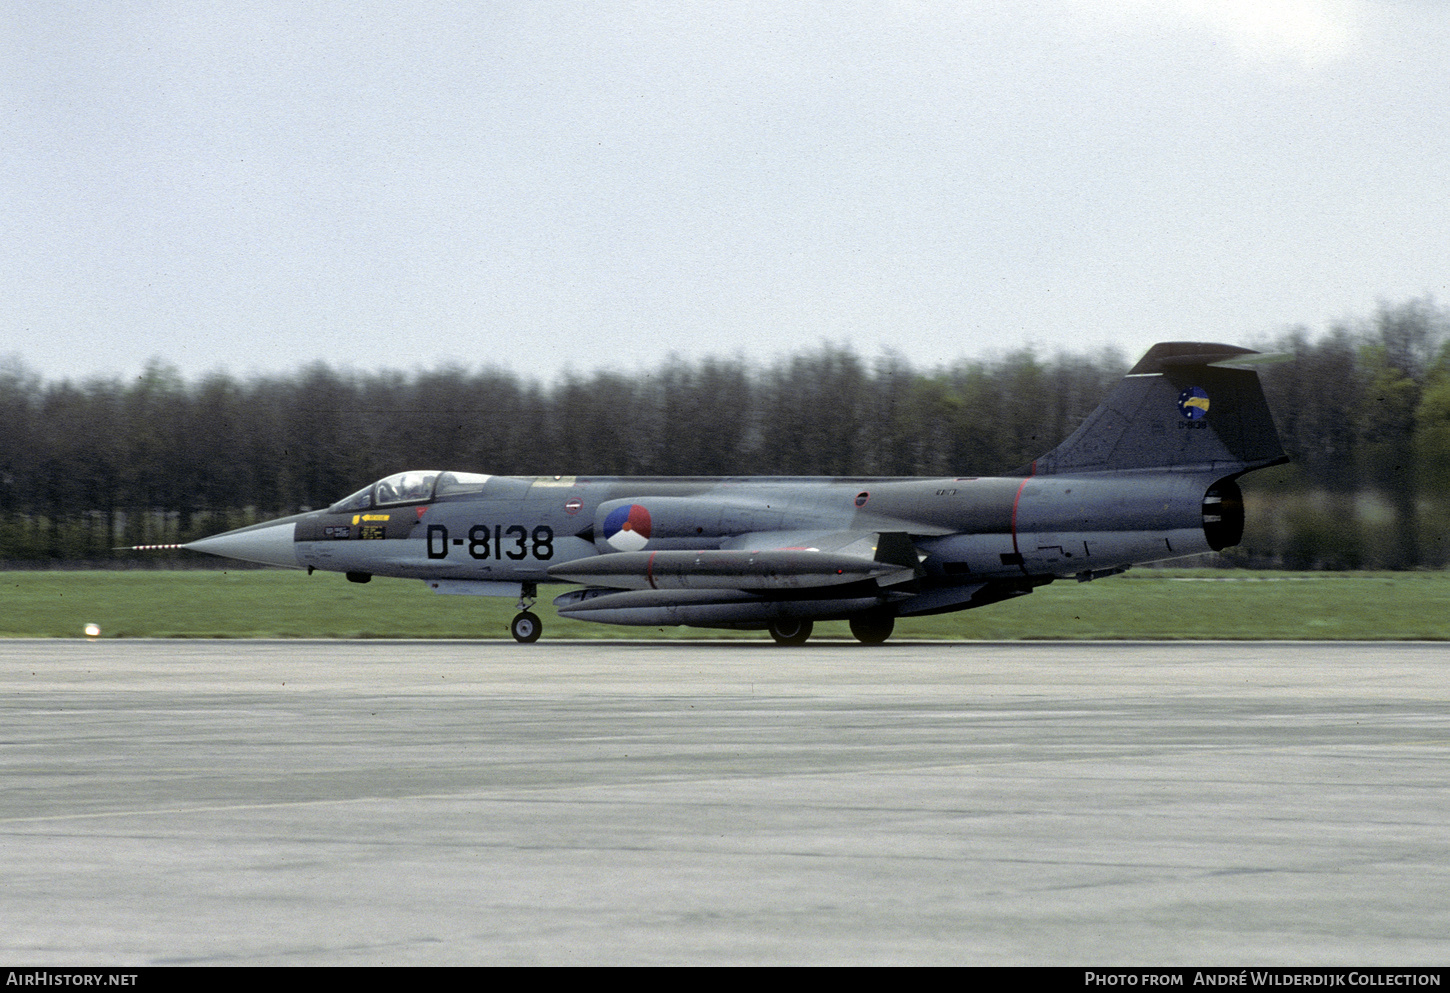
[(627, 528)]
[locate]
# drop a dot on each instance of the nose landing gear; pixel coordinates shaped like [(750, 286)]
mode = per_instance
[(526, 626)]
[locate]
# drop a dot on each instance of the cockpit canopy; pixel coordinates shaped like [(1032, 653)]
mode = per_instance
[(414, 486)]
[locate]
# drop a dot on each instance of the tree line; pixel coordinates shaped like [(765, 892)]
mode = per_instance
[(1364, 412)]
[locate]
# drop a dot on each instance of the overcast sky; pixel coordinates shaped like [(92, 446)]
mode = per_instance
[(580, 185)]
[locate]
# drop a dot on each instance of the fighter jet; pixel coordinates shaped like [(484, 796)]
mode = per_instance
[(1150, 475)]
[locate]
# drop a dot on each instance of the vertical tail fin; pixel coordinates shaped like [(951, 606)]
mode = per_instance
[(1188, 405)]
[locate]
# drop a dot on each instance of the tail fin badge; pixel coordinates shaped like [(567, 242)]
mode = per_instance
[(1193, 403)]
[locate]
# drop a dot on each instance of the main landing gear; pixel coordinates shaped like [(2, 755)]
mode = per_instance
[(790, 631), (526, 626), (869, 629), (872, 629)]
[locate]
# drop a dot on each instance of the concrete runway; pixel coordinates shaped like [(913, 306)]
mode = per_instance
[(403, 803)]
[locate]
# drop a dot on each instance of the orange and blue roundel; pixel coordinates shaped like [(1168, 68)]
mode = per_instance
[(1193, 403), (627, 528)]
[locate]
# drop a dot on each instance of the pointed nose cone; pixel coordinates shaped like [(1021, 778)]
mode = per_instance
[(269, 544)]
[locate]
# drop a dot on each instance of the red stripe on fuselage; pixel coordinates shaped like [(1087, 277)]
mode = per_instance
[(1021, 562)]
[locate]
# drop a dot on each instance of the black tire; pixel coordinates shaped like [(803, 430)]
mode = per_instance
[(872, 629), (790, 631), (526, 628)]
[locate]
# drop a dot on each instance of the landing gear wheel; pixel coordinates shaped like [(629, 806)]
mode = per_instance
[(790, 631), (872, 629), (526, 628)]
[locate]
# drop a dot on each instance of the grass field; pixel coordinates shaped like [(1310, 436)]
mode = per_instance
[(1149, 604)]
